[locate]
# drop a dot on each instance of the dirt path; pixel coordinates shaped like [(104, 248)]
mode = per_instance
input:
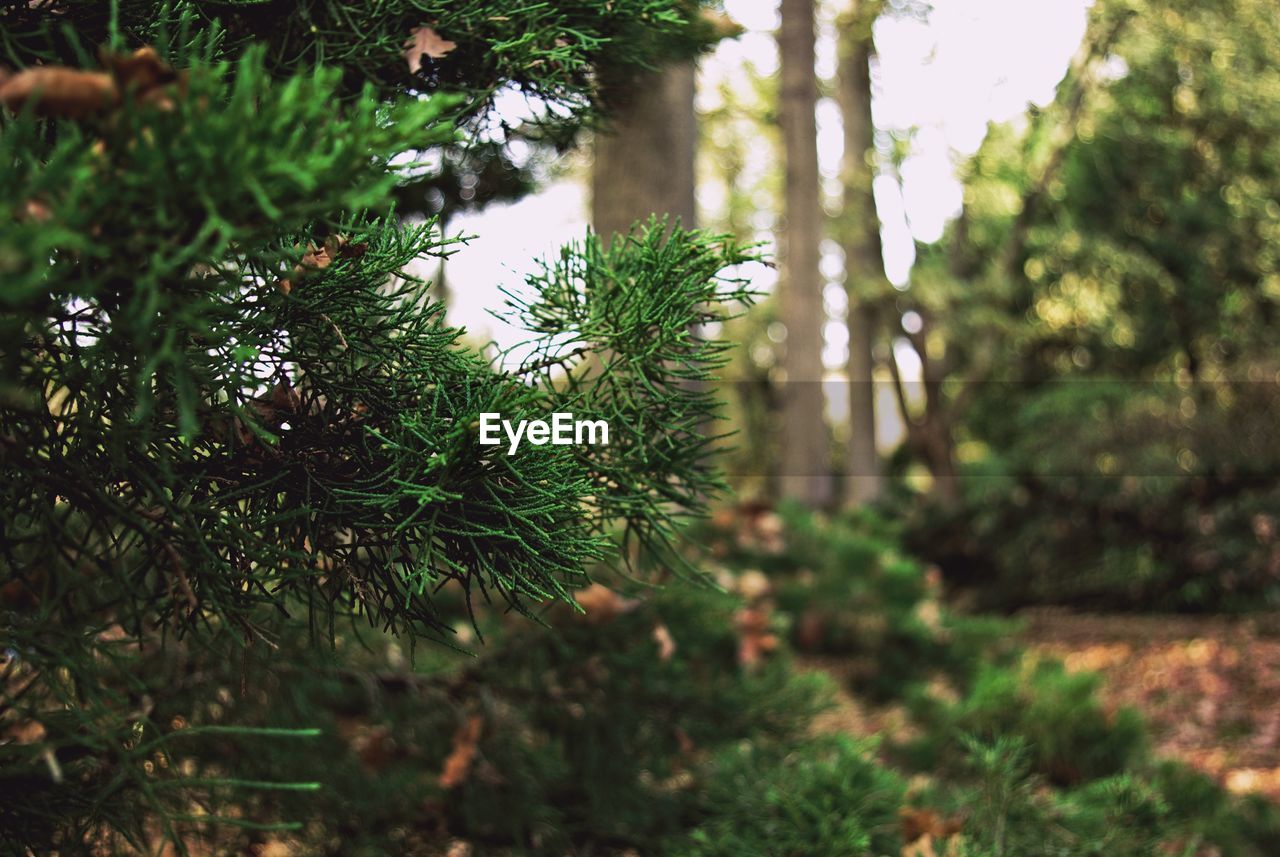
[(1209, 686)]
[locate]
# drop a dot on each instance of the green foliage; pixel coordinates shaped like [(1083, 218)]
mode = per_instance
[(589, 739), (1164, 500), (1016, 752), (1208, 813), (1068, 735), (634, 309), (846, 588), (551, 51), (615, 730), (1008, 810), (1113, 282), (830, 796), (231, 415)]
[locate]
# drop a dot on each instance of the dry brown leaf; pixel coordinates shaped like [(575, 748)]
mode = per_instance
[(27, 732), (285, 398), (457, 767), (602, 604), (145, 75), (77, 94), (720, 24), (375, 748), (141, 71), (59, 91), (36, 211), (723, 518), (753, 585), (424, 40), (459, 848), (666, 643), (920, 823), (315, 259), (755, 639), (352, 250), (318, 258)]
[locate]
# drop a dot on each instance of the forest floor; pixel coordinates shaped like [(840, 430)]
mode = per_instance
[(1208, 686)]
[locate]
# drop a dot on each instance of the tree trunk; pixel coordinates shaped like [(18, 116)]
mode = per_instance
[(644, 160), (804, 462), (864, 259)]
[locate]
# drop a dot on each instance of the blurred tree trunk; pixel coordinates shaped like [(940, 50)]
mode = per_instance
[(804, 463), (644, 159), (864, 259)]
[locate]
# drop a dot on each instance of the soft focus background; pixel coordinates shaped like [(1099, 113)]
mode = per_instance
[(1060, 328)]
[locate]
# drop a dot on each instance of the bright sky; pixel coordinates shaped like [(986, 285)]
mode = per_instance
[(966, 63)]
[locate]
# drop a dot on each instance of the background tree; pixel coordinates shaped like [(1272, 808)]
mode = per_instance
[(804, 450), (644, 157), (1082, 310), (859, 229)]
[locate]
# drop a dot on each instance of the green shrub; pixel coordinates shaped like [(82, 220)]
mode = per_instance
[(588, 738), (1246, 826), (846, 588), (1069, 737), (1008, 810), (1144, 509), (613, 729), (828, 797), (1114, 817)]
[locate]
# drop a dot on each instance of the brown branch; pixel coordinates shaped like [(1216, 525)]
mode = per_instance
[(180, 574), (548, 362), (899, 389)]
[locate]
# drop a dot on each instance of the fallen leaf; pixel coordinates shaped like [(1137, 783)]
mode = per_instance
[(755, 639), (59, 91), (602, 604), (666, 643), (27, 732), (424, 40), (36, 211), (285, 398), (457, 766), (919, 823), (141, 72), (315, 259), (375, 748), (753, 585), (720, 25)]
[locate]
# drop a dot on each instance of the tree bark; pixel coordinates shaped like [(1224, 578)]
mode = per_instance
[(644, 159), (804, 461), (864, 260)]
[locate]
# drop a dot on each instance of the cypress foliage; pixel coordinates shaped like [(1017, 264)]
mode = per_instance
[(229, 409)]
